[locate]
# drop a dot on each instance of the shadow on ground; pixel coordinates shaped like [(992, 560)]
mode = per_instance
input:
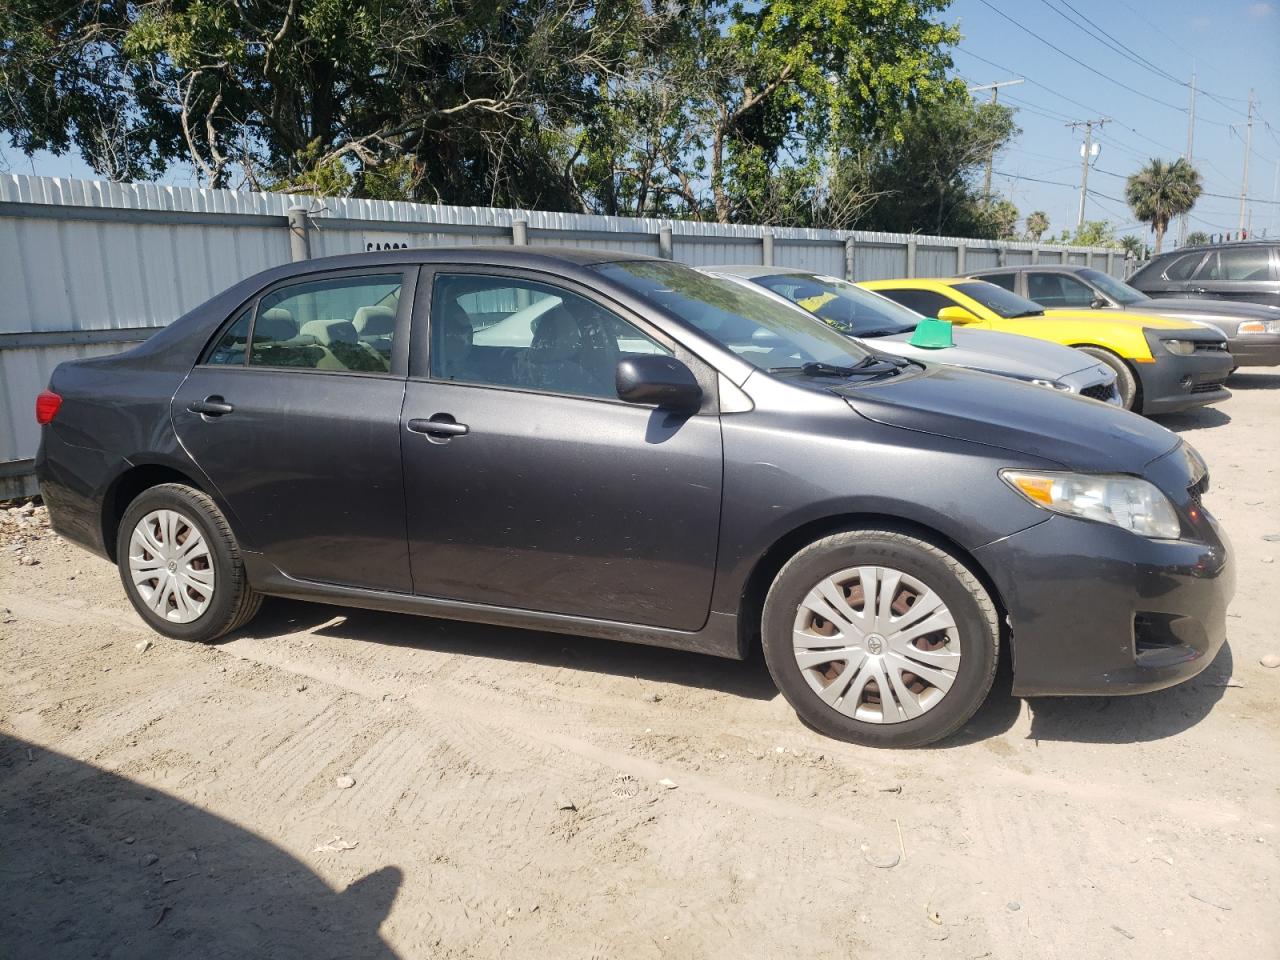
[(586, 654), (1197, 419), (1254, 379), (1080, 719), (75, 884)]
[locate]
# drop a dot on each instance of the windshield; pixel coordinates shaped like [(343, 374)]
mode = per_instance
[(761, 330), (1117, 290), (999, 300), (844, 307)]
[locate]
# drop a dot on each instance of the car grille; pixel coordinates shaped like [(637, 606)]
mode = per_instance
[(1100, 391), (1210, 346), (1209, 387)]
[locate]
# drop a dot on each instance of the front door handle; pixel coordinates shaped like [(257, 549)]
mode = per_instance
[(442, 425), (213, 406)]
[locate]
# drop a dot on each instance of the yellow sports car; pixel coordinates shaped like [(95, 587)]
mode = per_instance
[(1161, 364)]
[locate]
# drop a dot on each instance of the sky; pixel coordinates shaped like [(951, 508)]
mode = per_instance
[(1232, 45), (1135, 70)]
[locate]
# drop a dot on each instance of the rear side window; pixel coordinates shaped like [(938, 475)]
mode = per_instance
[(924, 302), (231, 345), (346, 323), (1005, 280), (1182, 267)]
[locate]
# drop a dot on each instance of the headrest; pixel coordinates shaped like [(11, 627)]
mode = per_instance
[(327, 332), (375, 321), (556, 336), (275, 324)]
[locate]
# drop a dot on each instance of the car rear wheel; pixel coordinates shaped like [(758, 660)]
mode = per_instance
[(1126, 382), (881, 639), (181, 567)]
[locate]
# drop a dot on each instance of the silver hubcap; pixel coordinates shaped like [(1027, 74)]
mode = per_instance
[(171, 566), (876, 644)]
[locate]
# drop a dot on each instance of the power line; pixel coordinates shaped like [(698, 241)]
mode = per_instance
[(1075, 59)]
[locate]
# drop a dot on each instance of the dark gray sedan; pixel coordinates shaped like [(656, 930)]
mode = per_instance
[(665, 458), (1252, 329)]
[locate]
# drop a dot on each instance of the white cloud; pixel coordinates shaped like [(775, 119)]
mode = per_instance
[(1260, 10)]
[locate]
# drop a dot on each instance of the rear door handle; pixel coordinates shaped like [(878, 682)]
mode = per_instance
[(441, 425), (213, 406)]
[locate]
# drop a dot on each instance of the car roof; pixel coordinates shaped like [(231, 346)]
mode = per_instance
[(923, 281), (1026, 267), (1230, 244), (494, 254)]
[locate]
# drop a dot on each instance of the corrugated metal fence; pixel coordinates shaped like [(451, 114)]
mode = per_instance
[(87, 267)]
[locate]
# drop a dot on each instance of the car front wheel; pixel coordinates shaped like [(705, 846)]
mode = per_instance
[(880, 638), (181, 567)]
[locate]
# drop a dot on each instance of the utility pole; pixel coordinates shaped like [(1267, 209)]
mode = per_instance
[(1248, 147), (1086, 154), (995, 98), (1183, 221)]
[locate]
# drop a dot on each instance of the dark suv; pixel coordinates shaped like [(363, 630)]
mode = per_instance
[(1249, 271)]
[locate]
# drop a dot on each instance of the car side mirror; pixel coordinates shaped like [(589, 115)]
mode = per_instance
[(956, 314), (662, 381), (1097, 303)]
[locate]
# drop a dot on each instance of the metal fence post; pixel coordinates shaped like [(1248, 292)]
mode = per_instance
[(665, 246), (1088, 258), (911, 257), (850, 259), (1035, 254), (1001, 256), (961, 251), (1111, 263), (520, 233), (299, 237), (766, 245)]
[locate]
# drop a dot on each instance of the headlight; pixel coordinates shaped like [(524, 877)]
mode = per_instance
[(1123, 501), (1259, 326), (1052, 384), (1183, 348)]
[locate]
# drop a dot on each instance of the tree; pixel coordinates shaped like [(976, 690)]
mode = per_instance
[(1091, 233), (1037, 225), (1161, 191), (1197, 238), (925, 178), (1133, 246)]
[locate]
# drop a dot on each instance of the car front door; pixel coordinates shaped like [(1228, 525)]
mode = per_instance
[(293, 413), (528, 484)]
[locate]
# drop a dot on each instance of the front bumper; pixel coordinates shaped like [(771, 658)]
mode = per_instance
[(1175, 383), (1095, 609), (1255, 349), (1097, 382)]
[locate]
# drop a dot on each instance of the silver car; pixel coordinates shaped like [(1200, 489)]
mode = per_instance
[(890, 327)]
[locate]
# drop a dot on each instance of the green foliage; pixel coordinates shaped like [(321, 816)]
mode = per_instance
[(1037, 225), (1197, 238), (1161, 191), (1092, 233), (1134, 247)]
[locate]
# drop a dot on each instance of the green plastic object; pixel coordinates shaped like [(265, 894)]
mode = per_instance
[(933, 334)]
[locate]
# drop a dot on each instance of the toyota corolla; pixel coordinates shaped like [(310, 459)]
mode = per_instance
[(662, 457)]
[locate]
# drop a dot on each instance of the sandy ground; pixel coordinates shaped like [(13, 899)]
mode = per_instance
[(505, 791)]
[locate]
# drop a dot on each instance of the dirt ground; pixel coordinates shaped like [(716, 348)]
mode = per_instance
[(336, 783)]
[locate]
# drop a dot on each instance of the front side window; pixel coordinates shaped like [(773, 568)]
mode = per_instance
[(230, 347), (1000, 301), (344, 323), (1241, 263), (924, 302), (502, 331), (765, 333), (1117, 290), (843, 306)]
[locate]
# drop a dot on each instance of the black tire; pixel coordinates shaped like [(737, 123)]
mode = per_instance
[(971, 607), (234, 602), (1126, 381)]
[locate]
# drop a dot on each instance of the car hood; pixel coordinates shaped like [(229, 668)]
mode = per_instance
[(1004, 353), (1198, 309), (1120, 318), (1078, 433)]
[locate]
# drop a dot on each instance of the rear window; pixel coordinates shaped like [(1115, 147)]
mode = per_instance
[(1006, 280)]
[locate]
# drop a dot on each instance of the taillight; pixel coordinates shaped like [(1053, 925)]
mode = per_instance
[(47, 405)]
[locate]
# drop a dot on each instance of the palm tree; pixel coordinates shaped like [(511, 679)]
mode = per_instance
[(1037, 224), (1161, 191)]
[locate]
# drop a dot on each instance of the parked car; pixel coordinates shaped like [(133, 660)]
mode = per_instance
[(1160, 365), (1252, 329), (1248, 271), (746, 476), (890, 327)]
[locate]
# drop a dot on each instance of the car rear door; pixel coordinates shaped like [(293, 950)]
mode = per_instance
[(293, 412), (1245, 273), (528, 484)]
